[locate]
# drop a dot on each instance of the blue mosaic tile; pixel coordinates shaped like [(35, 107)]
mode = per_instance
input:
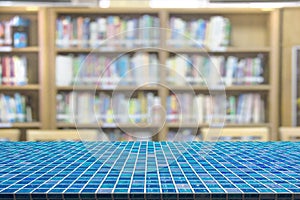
[(149, 170)]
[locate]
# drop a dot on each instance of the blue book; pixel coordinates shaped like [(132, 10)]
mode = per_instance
[(20, 32), (86, 31), (20, 115), (10, 109), (201, 32), (123, 66), (59, 32)]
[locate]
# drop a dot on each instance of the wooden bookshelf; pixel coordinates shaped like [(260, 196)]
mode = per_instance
[(254, 31), (104, 50), (23, 88), (191, 125), (260, 87), (7, 49), (290, 38), (104, 125), (228, 50), (72, 125), (96, 88), (35, 54), (27, 125)]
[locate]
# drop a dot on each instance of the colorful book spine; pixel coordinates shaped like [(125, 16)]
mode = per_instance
[(213, 34), (14, 32), (111, 31), (13, 70), (106, 71), (196, 69), (90, 108), (199, 109), (15, 108)]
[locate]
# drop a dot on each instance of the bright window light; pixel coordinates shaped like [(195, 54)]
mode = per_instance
[(104, 3), (176, 3)]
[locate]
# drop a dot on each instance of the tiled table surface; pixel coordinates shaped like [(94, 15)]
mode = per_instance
[(152, 170)]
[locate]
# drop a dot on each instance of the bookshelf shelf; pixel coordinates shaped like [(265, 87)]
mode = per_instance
[(251, 41), (106, 125), (218, 88), (21, 88), (32, 49), (248, 88), (105, 50), (183, 125), (141, 125), (90, 50), (28, 125), (234, 50), (72, 125), (248, 125), (193, 125), (96, 88), (21, 125), (129, 125)]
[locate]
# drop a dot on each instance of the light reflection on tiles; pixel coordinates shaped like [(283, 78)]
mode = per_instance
[(153, 170)]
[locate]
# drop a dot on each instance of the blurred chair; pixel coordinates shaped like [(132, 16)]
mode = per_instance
[(289, 133), (62, 135), (235, 134), (10, 135)]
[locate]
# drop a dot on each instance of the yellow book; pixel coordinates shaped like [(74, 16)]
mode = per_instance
[(143, 101)]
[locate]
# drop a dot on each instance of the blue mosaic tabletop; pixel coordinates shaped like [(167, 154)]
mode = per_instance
[(149, 170)]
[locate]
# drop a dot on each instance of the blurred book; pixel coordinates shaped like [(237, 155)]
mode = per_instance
[(213, 34), (111, 31), (15, 32), (15, 108), (107, 71), (194, 69), (88, 107), (202, 109), (13, 70)]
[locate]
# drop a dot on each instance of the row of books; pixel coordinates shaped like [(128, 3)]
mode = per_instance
[(213, 33), (14, 108), (90, 108), (215, 70), (145, 108), (14, 32), (106, 71), (110, 31), (13, 70), (197, 109), (141, 68)]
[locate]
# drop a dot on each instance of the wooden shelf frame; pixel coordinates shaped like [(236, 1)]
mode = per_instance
[(36, 52), (264, 38), (289, 39), (31, 49), (19, 88)]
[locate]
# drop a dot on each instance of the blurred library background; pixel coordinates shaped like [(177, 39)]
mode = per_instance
[(149, 70)]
